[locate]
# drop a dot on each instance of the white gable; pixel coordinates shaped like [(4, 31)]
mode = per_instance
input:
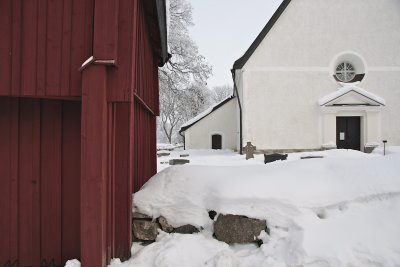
[(310, 32), (351, 95), (204, 113), (293, 62)]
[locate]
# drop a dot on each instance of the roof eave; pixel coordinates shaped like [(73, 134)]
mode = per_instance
[(329, 102), (242, 61), (162, 24), (183, 129)]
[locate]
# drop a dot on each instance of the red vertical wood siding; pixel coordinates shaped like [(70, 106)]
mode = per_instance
[(32, 133), (137, 72), (9, 181), (145, 146), (43, 44), (93, 169), (119, 184), (105, 30), (145, 76), (51, 180), (75, 143), (5, 45), (29, 182), (71, 166), (120, 78), (14, 50), (123, 181)]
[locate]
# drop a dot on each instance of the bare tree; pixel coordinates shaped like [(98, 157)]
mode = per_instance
[(170, 115), (219, 93), (177, 107), (196, 98), (183, 78)]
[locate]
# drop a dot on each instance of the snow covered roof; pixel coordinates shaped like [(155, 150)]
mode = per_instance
[(356, 96), (204, 114)]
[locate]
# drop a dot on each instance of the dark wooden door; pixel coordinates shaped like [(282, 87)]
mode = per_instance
[(216, 141), (348, 132)]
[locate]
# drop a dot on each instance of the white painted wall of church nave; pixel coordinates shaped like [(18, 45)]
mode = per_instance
[(292, 69)]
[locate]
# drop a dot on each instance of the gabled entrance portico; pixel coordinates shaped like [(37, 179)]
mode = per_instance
[(351, 119)]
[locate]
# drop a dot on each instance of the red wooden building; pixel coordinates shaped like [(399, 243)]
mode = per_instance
[(78, 104)]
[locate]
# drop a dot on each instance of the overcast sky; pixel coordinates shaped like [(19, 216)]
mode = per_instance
[(224, 30)]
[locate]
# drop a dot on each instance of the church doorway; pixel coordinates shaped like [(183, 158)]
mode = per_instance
[(216, 141), (348, 133)]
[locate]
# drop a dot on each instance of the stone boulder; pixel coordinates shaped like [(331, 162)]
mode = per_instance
[(145, 230), (165, 226), (186, 229), (238, 229)]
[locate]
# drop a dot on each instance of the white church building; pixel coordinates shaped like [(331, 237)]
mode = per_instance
[(320, 75)]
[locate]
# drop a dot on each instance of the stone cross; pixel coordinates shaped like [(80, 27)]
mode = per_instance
[(249, 150)]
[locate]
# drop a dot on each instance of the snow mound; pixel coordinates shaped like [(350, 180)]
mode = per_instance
[(73, 263), (339, 210)]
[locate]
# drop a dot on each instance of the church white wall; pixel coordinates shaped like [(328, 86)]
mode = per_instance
[(292, 69), (222, 121), (239, 86), (386, 83)]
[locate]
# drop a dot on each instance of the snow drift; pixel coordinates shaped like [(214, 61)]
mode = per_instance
[(342, 210)]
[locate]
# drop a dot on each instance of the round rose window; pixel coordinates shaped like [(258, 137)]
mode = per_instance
[(345, 72)]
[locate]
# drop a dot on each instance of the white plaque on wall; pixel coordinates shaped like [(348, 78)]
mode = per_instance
[(341, 136)]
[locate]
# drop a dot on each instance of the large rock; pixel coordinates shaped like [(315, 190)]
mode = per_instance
[(165, 226), (186, 229), (145, 230), (238, 229)]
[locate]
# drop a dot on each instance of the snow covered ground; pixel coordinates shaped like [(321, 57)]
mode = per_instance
[(166, 146), (339, 210)]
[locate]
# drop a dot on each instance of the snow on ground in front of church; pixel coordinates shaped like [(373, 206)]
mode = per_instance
[(341, 210)]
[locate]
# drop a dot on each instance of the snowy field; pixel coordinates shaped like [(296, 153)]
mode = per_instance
[(339, 210)]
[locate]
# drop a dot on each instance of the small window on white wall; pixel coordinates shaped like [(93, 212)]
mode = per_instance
[(345, 72)]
